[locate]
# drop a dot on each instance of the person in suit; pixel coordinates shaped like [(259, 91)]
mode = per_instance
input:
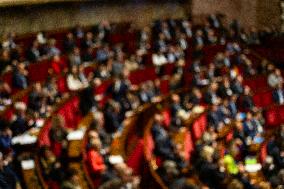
[(163, 144), (8, 178), (224, 90), (143, 95), (247, 101), (119, 88), (75, 57), (237, 86), (69, 43), (5, 60), (72, 180), (5, 138), (278, 94), (214, 117), (210, 96), (20, 123), (88, 41), (58, 135), (33, 53), (198, 40), (112, 117), (19, 78), (232, 106), (88, 56)]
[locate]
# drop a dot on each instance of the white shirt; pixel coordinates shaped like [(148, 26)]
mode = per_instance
[(159, 59)]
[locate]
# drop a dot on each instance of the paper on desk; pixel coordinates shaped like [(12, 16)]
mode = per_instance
[(76, 135), (252, 168), (24, 139), (28, 164)]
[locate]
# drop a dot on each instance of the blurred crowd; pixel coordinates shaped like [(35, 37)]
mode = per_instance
[(218, 84)]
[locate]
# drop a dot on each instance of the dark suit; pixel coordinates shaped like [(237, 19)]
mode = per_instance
[(247, 102), (19, 81), (118, 91), (209, 97), (163, 144), (278, 96)]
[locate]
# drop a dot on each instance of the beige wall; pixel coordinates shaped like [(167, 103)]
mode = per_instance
[(35, 18), (249, 12), (268, 13), (55, 16)]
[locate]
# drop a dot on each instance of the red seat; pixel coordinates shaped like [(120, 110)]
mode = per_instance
[(136, 158), (167, 117), (164, 87), (62, 84), (263, 99), (271, 117), (149, 146), (199, 127), (38, 71), (263, 153), (188, 145)]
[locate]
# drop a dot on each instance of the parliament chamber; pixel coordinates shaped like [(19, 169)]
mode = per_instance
[(144, 99)]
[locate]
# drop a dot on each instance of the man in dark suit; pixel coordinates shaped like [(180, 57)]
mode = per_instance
[(19, 79), (214, 117), (236, 85), (210, 96), (8, 178), (118, 89), (163, 143), (247, 101), (33, 53), (278, 94)]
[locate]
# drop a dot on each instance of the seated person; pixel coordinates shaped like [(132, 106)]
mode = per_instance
[(95, 159), (33, 53), (278, 94), (51, 166), (163, 144), (57, 64), (72, 180), (20, 119), (74, 81), (5, 139), (57, 135), (5, 93), (275, 78), (8, 178), (19, 79)]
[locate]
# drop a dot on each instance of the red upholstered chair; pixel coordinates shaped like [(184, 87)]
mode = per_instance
[(43, 138), (199, 127), (38, 71), (272, 117), (149, 146), (263, 152), (188, 145), (62, 84), (229, 136), (8, 114), (7, 77), (280, 111), (164, 87), (263, 99), (103, 87), (168, 69), (167, 117), (136, 158)]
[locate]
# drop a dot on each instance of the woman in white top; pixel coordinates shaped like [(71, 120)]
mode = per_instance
[(75, 80)]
